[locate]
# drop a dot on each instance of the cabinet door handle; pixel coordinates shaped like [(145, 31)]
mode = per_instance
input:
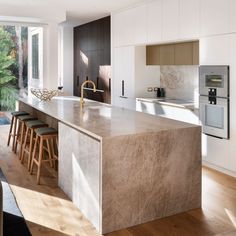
[(109, 86), (77, 80), (123, 88), (97, 82), (87, 80)]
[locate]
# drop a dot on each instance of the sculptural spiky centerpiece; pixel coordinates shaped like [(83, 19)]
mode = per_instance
[(44, 94)]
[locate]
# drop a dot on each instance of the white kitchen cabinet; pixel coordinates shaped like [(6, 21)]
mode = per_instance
[(167, 111), (214, 50), (130, 67), (232, 87), (189, 19), (121, 26), (124, 102), (129, 26), (154, 21), (139, 24), (170, 18), (214, 17), (232, 15), (124, 67), (232, 118)]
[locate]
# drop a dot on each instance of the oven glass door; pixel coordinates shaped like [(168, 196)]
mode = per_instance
[(214, 118), (214, 81)]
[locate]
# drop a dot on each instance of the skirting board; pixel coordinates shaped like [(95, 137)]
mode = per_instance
[(218, 168)]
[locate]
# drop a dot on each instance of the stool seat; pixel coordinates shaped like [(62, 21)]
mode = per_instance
[(13, 127), (21, 131), (45, 131), (19, 113), (34, 123), (26, 117)]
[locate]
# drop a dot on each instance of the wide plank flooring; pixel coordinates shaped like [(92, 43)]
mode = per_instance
[(48, 211)]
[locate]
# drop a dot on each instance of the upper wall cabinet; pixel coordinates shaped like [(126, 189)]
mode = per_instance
[(153, 55), (214, 50), (189, 19), (214, 17), (167, 54), (184, 54), (170, 20), (154, 21), (173, 54), (232, 15), (121, 29), (129, 27)]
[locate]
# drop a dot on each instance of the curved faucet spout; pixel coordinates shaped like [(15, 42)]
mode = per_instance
[(82, 90)]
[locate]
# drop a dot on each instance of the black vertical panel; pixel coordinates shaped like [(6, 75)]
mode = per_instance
[(76, 61), (92, 40), (107, 42)]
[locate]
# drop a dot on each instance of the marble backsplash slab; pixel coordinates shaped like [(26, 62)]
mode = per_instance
[(180, 82)]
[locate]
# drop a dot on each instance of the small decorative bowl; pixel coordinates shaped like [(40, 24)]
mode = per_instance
[(44, 94)]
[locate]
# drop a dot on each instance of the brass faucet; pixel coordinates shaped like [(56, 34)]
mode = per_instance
[(82, 90)]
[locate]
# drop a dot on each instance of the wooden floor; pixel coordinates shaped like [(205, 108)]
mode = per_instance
[(49, 212)]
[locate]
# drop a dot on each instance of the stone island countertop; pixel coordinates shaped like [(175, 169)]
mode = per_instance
[(101, 120)]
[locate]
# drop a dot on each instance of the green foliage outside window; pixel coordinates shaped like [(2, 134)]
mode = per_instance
[(8, 91), (13, 65)]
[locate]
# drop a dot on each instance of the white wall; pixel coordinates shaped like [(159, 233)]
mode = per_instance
[(66, 62), (50, 63)]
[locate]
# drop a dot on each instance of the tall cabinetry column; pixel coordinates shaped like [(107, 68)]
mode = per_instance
[(92, 58)]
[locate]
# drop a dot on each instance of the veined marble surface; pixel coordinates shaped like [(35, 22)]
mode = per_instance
[(102, 120)]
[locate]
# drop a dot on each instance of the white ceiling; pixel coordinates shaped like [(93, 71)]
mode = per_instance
[(79, 11)]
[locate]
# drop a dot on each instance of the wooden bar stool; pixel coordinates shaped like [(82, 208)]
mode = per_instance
[(46, 140), (13, 126), (21, 131), (28, 143)]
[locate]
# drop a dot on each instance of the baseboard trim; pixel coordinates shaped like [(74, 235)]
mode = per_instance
[(218, 168)]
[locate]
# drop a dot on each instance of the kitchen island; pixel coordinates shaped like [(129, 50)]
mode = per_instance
[(121, 167)]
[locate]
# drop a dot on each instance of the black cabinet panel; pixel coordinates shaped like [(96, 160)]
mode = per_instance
[(92, 58)]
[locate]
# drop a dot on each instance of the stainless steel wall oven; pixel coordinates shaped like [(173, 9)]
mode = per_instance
[(214, 100)]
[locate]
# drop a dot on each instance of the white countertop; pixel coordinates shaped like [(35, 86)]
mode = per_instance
[(101, 120)]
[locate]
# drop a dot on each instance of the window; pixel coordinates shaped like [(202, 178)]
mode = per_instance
[(35, 59)]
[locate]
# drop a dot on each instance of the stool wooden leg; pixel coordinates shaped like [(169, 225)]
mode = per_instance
[(10, 131), (21, 139), (53, 145), (50, 153), (19, 130), (22, 154), (30, 148), (34, 154), (40, 159), (15, 133)]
